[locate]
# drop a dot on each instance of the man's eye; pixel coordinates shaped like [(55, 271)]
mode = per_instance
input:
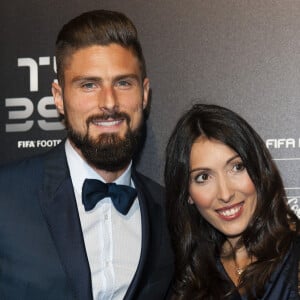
[(124, 84), (88, 85)]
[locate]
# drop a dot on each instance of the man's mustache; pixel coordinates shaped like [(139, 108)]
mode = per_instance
[(106, 116)]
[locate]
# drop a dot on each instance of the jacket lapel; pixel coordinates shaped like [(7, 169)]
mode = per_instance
[(146, 205), (60, 210)]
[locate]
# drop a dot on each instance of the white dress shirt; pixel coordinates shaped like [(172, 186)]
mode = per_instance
[(112, 240)]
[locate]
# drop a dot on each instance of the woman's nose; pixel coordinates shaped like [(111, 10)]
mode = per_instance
[(225, 190)]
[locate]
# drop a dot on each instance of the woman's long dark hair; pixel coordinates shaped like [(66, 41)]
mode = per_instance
[(196, 243)]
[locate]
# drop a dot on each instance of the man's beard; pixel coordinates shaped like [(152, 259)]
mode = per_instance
[(108, 151)]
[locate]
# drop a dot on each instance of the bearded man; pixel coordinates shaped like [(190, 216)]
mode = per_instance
[(82, 223)]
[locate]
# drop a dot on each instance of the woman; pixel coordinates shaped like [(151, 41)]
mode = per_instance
[(233, 234)]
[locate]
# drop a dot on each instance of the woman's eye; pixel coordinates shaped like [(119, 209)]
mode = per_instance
[(238, 167), (201, 177)]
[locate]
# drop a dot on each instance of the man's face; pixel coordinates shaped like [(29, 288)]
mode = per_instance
[(103, 99)]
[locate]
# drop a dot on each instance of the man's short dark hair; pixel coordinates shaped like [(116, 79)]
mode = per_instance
[(98, 27)]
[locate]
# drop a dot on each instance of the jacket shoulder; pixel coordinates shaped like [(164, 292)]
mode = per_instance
[(149, 182), (29, 168)]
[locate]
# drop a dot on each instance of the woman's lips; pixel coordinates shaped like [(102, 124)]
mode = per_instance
[(230, 212)]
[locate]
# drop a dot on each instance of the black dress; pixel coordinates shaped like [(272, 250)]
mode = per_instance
[(284, 283)]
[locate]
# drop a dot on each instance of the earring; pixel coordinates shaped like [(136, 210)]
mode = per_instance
[(190, 201)]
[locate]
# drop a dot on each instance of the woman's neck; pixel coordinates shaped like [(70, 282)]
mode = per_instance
[(235, 260)]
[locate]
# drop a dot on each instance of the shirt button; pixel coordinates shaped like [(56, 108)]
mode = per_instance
[(106, 217)]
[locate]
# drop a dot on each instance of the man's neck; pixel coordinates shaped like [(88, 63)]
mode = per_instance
[(109, 176)]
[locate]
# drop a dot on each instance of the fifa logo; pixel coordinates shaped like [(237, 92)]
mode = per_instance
[(20, 109)]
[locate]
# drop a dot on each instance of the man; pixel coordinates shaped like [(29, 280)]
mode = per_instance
[(58, 239)]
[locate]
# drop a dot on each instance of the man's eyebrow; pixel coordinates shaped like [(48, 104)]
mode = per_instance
[(99, 79), (86, 78), (127, 76)]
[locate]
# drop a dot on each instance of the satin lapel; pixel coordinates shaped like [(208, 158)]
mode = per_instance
[(146, 205), (59, 207)]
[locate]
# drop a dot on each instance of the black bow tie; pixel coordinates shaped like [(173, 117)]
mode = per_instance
[(94, 190)]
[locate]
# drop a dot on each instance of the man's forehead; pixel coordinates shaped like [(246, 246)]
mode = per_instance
[(112, 54)]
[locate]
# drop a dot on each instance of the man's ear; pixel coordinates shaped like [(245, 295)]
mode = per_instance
[(146, 87), (58, 97)]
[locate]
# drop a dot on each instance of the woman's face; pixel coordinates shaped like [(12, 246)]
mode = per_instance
[(220, 187)]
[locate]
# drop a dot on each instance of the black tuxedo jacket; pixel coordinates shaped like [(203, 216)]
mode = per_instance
[(42, 251)]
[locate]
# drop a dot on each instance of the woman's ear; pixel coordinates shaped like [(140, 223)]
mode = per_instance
[(190, 200)]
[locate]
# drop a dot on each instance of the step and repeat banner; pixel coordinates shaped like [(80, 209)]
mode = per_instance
[(244, 55)]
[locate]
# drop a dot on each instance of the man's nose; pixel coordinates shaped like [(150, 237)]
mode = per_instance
[(108, 99)]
